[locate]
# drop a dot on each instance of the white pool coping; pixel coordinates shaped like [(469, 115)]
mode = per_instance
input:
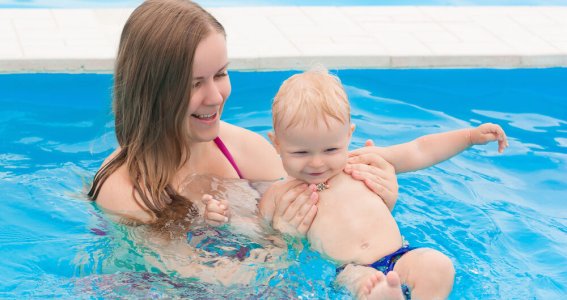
[(268, 38)]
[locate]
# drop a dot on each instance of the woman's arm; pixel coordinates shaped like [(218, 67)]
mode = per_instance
[(118, 197), (294, 205), (172, 254), (289, 206)]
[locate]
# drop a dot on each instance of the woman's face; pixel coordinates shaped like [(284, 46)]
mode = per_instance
[(210, 88)]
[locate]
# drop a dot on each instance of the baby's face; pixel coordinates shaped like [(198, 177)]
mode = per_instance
[(314, 154)]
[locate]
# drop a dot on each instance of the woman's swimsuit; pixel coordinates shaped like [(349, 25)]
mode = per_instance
[(213, 239), (228, 156)]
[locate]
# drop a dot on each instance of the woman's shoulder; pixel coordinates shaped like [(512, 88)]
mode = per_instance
[(253, 154), (230, 131), (118, 198), (242, 137)]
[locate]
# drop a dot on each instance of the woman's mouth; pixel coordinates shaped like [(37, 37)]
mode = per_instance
[(205, 117)]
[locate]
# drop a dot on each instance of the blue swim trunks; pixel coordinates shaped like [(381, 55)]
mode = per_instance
[(387, 263)]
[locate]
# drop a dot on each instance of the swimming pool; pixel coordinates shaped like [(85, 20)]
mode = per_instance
[(220, 3), (500, 218)]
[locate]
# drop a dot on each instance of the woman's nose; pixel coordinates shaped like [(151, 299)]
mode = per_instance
[(213, 94)]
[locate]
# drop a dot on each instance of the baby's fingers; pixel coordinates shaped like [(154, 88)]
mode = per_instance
[(215, 219), (502, 139), (223, 205), (495, 132), (217, 206), (492, 132), (206, 199), (216, 211)]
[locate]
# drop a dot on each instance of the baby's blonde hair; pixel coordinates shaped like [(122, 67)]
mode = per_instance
[(308, 98)]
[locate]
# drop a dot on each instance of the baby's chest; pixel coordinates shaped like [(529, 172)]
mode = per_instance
[(343, 217)]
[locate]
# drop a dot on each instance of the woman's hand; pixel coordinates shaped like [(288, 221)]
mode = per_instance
[(295, 207), (216, 211), (366, 165)]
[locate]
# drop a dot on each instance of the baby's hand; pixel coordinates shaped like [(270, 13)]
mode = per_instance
[(216, 211), (489, 132)]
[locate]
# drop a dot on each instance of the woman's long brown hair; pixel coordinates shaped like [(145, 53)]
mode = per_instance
[(152, 88)]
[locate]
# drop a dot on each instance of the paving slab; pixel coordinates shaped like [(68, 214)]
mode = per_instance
[(273, 38)]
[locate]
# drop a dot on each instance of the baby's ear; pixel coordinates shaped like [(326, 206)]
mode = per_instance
[(352, 128), (274, 140)]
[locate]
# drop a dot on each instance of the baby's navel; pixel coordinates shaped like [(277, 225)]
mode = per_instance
[(364, 245)]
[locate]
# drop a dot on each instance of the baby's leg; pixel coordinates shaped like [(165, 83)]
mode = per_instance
[(368, 283), (428, 273)]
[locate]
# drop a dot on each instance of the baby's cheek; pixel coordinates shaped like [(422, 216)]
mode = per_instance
[(342, 161)]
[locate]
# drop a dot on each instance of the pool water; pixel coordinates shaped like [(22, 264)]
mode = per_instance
[(219, 3), (501, 218)]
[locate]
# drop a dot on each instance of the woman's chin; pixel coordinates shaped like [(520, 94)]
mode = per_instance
[(205, 135), (202, 130)]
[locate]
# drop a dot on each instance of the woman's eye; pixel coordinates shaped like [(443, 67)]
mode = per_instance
[(196, 84), (219, 75)]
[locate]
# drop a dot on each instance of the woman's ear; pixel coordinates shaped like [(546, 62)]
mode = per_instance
[(274, 140)]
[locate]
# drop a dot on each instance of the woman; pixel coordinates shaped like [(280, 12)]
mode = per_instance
[(171, 84)]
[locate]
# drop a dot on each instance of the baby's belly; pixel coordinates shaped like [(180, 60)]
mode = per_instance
[(358, 230)]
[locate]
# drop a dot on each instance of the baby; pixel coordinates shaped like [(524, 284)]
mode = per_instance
[(353, 226)]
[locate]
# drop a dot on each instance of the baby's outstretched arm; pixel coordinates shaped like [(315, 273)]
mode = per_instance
[(431, 149)]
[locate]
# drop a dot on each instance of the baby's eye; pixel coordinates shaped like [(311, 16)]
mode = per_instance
[(299, 152), (331, 149)]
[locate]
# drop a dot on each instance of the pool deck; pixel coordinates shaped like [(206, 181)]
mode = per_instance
[(268, 38)]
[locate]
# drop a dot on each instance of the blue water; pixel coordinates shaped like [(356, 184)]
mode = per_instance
[(218, 3), (500, 218)]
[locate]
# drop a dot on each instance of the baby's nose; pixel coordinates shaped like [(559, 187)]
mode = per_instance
[(316, 161)]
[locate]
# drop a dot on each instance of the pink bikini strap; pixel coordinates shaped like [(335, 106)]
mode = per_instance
[(228, 156)]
